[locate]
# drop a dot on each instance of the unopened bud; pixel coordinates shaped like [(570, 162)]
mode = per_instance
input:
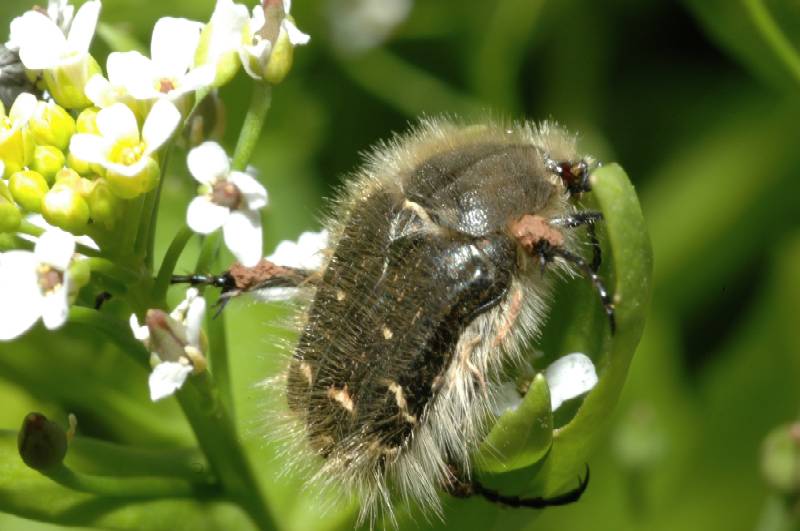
[(87, 121), (104, 206), (64, 207), (51, 125), (206, 122), (10, 215), (167, 336), (48, 160), (28, 188), (42, 443), (280, 60)]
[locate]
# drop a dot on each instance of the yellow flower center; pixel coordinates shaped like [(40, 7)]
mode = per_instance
[(127, 153)]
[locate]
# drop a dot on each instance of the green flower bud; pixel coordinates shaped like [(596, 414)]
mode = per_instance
[(51, 125), (104, 206), (87, 121), (79, 275), (67, 83), (280, 60), (42, 443), (10, 215), (65, 208), (67, 176), (126, 187), (80, 166), (16, 148), (206, 122), (780, 459), (28, 188), (48, 160), (226, 63)]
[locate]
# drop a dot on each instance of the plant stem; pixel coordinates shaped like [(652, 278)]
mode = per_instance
[(251, 128), (168, 263), (111, 270), (128, 487), (217, 438)]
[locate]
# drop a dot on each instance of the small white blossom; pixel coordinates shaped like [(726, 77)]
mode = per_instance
[(35, 285), (223, 37), (47, 43), (175, 343), (228, 199), (306, 253), (120, 147), (263, 34), (568, 377), (39, 221), (167, 73)]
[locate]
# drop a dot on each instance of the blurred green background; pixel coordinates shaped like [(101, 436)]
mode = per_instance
[(697, 100)]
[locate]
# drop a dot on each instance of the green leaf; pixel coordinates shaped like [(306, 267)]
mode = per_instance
[(520, 437), (573, 443)]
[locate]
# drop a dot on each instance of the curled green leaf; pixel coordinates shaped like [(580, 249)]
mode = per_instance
[(572, 444)]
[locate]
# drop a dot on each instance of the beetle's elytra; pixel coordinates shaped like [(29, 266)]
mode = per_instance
[(442, 255)]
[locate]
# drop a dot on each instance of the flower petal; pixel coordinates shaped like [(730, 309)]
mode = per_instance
[(90, 148), (173, 45), (23, 108), (194, 320), (55, 247), (253, 191), (296, 37), (205, 217), (570, 376), (133, 72), (161, 122), (140, 332), (81, 31), (100, 92), (39, 39), (242, 233), (117, 123), (166, 378), (208, 163), (20, 295), (55, 306), (306, 253)]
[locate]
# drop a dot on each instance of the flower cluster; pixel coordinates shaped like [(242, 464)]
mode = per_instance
[(83, 151)]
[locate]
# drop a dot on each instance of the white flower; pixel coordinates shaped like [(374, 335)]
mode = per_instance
[(39, 221), (175, 343), (264, 33), (42, 42), (35, 284), (228, 199), (222, 38), (168, 73), (120, 147), (568, 377)]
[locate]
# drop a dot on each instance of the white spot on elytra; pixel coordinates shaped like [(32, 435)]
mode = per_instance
[(342, 396), (387, 333)]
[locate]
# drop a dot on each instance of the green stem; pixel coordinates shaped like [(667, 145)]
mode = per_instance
[(251, 128), (775, 38), (127, 487), (149, 239), (217, 437), (112, 270), (119, 332), (168, 263), (133, 215)]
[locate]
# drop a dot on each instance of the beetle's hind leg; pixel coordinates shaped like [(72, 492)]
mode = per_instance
[(463, 488)]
